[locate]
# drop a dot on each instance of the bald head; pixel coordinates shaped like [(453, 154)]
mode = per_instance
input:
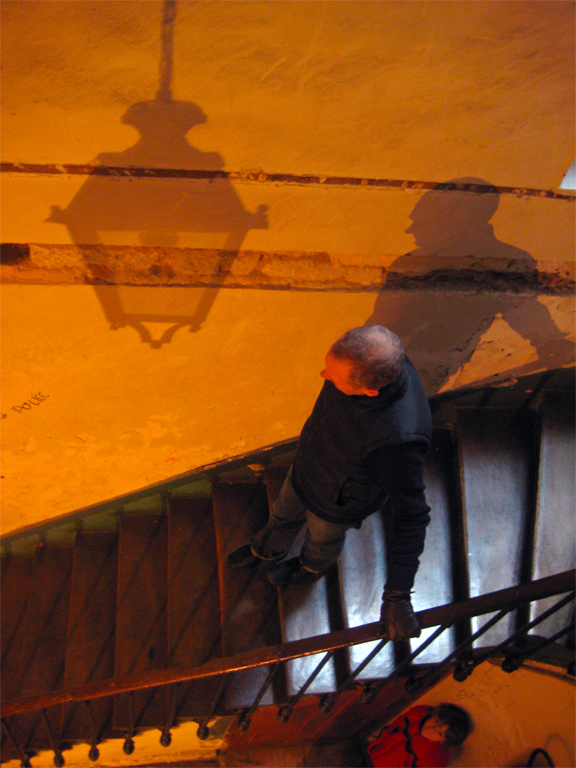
[(375, 355)]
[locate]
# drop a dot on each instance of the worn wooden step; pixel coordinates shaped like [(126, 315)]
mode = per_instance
[(141, 620), (91, 631), (16, 581), (304, 611), (248, 602), (193, 599), (433, 585), (362, 571), (553, 539), (495, 457), (44, 639)]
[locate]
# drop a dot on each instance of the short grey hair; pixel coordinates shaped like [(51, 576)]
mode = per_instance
[(376, 355)]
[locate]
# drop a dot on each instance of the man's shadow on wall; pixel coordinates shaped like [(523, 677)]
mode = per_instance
[(158, 209), (441, 330)]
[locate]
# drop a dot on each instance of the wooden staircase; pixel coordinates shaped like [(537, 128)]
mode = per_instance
[(143, 584)]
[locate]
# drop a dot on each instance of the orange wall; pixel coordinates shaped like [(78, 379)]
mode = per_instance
[(388, 90)]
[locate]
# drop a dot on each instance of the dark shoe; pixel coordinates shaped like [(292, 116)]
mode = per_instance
[(288, 573), (242, 558)]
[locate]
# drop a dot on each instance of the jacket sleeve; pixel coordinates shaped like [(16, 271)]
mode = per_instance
[(400, 469)]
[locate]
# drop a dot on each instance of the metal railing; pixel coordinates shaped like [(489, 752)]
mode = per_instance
[(443, 617)]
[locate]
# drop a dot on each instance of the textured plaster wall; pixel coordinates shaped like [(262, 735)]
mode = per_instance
[(120, 414), (427, 91), (383, 90), (512, 715)]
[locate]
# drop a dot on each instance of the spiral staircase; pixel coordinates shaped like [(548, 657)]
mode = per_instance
[(99, 606)]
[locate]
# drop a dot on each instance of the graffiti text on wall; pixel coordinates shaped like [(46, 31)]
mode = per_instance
[(27, 406)]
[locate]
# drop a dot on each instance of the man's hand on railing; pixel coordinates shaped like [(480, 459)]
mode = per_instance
[(397, 617)]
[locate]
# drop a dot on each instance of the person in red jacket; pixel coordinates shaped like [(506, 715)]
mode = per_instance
[(421, 737)]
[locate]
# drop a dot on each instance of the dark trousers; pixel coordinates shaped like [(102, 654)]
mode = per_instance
[(324, 540)]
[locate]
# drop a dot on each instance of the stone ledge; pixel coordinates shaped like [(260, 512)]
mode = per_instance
[(282, 270)]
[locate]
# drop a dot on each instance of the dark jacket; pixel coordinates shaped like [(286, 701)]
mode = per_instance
[(330, 472), (355, 451)]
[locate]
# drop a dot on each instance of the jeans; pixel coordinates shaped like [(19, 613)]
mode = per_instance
[(324, 540)]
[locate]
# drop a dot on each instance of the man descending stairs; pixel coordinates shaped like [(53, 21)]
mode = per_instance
[(363, 444)]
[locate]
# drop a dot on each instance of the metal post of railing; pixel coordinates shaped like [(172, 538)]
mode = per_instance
[(166, 736), (22, 756), (504, 600), (94, 752), (371, 690), (514, 661), (465, 669), (246, 717), (285, 710), (413, 685), (58, 756), (128, 746), (203, 731), (327, 701)]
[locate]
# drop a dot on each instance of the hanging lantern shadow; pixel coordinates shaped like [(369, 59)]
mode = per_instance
[(159, 189), (150, 189)]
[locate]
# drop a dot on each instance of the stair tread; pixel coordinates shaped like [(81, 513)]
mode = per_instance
[(304, 610), (91, 629), (304, 613), (362, 572), (193, 599), (495, 461), (44, 642), (433, 584), (16, 583), (141, 620), (248, 602), (553, 549)]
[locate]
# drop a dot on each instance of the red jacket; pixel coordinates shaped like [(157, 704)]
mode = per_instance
[(401, 744)]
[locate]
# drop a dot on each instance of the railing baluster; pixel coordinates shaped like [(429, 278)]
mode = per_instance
[(166, 736), (372, 690), (22, 756), (128, 746), (246, 717), (203, 731), (414, 685), (504, 600), (285, 710), (94, 752), (514, 661), (464, 669), (58, 756), (327, 701)]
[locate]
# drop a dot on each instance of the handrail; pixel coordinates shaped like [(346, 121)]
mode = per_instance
[(445, 614)]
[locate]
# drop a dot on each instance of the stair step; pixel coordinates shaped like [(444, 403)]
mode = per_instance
[(91, 630), (7, 750), (495, 447), (141, 620), (553, 548), (16, 583), (248, 602), (193, 599), (44, 639), (304, 611), (362, 572), (433, 584)]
